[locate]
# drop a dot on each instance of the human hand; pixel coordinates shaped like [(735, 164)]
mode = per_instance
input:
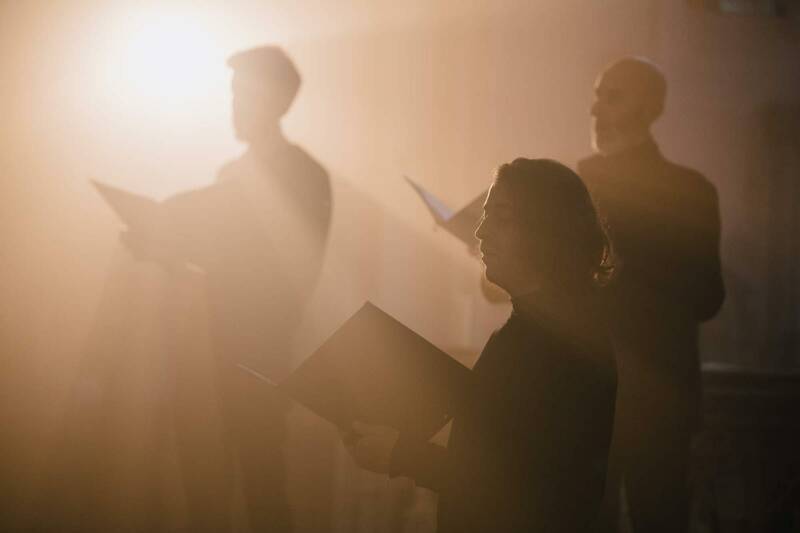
[(371, 447)]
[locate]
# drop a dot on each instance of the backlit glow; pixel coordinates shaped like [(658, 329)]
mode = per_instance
[(165, 61)]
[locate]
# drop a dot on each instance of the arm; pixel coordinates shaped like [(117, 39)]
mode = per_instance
[(692, 270), (708, 289)]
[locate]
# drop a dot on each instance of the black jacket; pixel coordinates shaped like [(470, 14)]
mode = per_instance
[(529, 443), (665, 227), (259, 233)]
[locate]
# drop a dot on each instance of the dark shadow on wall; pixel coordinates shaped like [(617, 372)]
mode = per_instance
[(781, 130)]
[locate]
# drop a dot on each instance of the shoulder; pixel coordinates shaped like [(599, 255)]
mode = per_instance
[(309, 178), (305, 165), (692, 181), (229, 170), (243, 165)]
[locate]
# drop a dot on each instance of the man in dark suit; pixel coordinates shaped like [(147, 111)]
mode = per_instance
[(664, 223), (258, 236)]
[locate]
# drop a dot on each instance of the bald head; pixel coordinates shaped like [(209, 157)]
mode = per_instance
[(629, 97)]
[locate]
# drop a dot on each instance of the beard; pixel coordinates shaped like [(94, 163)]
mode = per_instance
[(611, 141), (611, 137)]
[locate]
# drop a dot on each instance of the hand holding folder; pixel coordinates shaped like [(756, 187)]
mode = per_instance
[(377, 371), (144, 218)]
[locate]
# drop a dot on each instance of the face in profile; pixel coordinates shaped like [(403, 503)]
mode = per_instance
[(256, 107), (503, 244), (620, 118)]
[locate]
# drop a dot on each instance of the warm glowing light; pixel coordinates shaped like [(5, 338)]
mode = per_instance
[(170, 55), (165, 61), (152, 98), (151, 95)]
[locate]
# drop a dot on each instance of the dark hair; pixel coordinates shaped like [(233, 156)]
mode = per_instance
[(555, 206), (268, 66)]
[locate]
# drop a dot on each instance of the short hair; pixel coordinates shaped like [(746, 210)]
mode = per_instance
[(553, 203), (646, 74), (268, 66)]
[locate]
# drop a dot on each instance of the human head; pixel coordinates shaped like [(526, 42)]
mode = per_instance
[(629, 97), (264, 85), (540, 229)]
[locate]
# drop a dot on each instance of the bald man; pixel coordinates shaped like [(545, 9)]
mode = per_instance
[(664, 222)]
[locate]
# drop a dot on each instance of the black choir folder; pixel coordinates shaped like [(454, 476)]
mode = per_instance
[(376, 370)]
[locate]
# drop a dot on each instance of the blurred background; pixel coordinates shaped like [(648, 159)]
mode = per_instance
[(137, 94)]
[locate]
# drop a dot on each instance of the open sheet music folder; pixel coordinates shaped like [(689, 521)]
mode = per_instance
[(461, 224), (134, 210), (376, 370)]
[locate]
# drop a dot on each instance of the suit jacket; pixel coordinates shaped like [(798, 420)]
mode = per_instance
[(259, 234), (664, 224)]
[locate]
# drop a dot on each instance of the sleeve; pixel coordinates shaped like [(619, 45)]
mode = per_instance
[(424, 462), (690, 269), (706, 289)]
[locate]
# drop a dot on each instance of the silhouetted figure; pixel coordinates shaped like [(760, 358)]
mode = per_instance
[(664, 224), (530, 438), (258, 234)]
